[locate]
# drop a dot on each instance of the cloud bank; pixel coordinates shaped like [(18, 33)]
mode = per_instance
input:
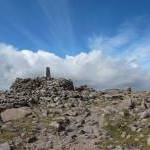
[(93, 68)]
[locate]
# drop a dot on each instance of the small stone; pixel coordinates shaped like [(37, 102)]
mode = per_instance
[(58, 126), (110, 110), (55, 124), (141, 135), (144, 104), (138, 130), (136, 139), (124, 113), (128, 136), (118, 147), (74, 137), (148, 141), (44, 113), (72, 128), (88, 129), (17, 141), (133, 128), (82, 132), (32, 139), (110, 146), (123, 134)]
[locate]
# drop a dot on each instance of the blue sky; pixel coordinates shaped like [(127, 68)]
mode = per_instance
[(102, 43), (64, 26)]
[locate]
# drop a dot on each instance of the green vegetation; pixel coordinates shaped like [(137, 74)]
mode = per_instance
[(5, 136), (121, 134)]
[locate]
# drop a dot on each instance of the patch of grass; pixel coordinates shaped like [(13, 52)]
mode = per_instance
[(115, 127), (46, 122), (5, 136), (25, 126)]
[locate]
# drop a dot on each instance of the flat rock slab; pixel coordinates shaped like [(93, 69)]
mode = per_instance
[(126, 104), (4, 146), (15, 113)]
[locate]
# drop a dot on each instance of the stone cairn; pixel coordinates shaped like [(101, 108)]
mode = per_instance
[(25, 92)]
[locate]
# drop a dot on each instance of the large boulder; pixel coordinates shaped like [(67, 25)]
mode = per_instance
[(15, 113), (127, 104)]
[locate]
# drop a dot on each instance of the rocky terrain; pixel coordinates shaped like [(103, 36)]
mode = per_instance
[(51, 114)]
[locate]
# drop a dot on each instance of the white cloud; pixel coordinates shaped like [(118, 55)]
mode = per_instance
[(93, 68), (113, 62)]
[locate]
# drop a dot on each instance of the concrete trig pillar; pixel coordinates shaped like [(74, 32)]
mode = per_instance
[(48, 73)]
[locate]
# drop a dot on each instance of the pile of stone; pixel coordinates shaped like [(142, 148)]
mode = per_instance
[(48, 113), (25, 92), (30, 85)]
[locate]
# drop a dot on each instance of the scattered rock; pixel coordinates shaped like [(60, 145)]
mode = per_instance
[(145, 114), (127, 104), (55, 125), (32, 139), (68, 117), (145, 104)]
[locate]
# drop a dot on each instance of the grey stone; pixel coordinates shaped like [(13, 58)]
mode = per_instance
[(15, 113), (148, 141), (145, 114), (127, 104), (5, 146), (88, 129)]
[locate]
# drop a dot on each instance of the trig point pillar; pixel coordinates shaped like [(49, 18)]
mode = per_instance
[(48, 73)]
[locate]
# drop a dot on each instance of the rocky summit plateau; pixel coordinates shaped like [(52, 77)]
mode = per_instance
[(52, 114)]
